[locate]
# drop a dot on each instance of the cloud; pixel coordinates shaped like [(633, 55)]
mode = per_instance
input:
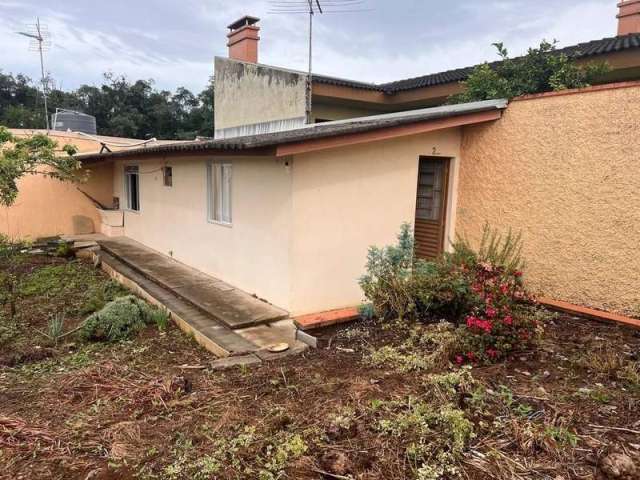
[(175, 42)]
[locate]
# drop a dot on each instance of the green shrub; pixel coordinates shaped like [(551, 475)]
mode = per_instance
[(120, 319), (387, 281), (541, 69), (482, 290)]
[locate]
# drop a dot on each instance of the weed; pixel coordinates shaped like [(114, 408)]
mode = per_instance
[(561, 435), (73, 361), (434, 438), (279, 453), (9, 330), (399, 359), (55, 327), (451, 386), (64, 250), (520, 409), (630, 375), (603, 361), (160, 318)]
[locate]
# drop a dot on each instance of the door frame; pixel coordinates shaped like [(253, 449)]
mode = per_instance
[(446, 185)]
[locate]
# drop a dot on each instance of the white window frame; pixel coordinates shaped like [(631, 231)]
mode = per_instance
[(216, 190), (126, 176)]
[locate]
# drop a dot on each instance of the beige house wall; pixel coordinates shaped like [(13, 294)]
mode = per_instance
[(565, 170), (252, 254), (347, 199), (47, 207)]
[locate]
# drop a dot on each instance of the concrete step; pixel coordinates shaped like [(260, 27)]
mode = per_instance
[(207, 330)]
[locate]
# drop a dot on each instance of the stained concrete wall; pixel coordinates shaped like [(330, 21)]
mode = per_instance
[(248, 94), (347, 199), (252, 254), (48, 207), (565, 170)]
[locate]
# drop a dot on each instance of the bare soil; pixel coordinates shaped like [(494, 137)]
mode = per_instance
[(152, 407)]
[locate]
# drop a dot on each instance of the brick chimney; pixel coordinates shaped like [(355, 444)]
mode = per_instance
[(629, 17), (243, 39)]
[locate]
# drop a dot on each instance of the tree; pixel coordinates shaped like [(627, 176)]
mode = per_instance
[(542, 69), (34, 155), (122, 108)]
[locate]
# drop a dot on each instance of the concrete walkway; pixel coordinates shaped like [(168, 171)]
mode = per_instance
[(233, 307), (223, 319)]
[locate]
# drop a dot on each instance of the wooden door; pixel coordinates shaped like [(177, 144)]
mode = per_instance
[(431, 206)]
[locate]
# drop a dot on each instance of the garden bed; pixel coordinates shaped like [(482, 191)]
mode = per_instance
[(376, 402)]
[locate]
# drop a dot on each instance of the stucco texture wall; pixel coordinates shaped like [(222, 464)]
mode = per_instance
[(565, 170), (252, 254), (248, 93), (345, 200), (47, 207)]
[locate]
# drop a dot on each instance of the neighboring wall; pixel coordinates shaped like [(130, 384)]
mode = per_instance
[(48, 207), (347, 199), (565, 170), (331, 111), (252, 98), (251, 255)]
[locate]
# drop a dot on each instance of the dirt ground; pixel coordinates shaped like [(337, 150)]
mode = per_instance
[(152, 407)]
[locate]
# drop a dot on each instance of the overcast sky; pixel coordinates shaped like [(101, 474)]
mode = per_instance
[(174, 41)]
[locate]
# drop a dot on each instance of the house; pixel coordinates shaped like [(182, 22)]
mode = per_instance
[(47, 207), (286, 200), (255, 98)]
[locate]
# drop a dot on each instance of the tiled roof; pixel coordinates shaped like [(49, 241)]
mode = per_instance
[(582, 50), (309, 132)]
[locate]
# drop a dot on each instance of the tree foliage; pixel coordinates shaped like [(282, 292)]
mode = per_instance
[(122, 108), (542, 69), (34, 155)]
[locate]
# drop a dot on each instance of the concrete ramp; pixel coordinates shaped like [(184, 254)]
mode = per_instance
[(233, 307)]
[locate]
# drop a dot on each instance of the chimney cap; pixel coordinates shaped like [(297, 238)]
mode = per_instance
[(245, 21)]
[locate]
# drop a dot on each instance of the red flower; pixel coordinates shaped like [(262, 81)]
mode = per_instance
[(459, 359), (508, 320), (491, 312), (492, 353), (504, 288), (517, 273)]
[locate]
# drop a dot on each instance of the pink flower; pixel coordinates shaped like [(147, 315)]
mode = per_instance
[(492, 353), (491, 312), (504, 288), (508, 320), (459, 359)]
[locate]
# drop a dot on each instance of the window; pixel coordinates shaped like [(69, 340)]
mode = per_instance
[(219, 192), (167, 176), (132, 187)]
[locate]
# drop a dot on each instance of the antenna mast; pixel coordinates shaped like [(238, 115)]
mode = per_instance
[(39, 36), (300, 6)]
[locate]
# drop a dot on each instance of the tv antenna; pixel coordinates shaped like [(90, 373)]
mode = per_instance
[(40, 42), (311, 7)]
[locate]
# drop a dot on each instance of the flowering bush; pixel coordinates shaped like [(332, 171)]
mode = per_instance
[(504, 317), (481, 291)]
